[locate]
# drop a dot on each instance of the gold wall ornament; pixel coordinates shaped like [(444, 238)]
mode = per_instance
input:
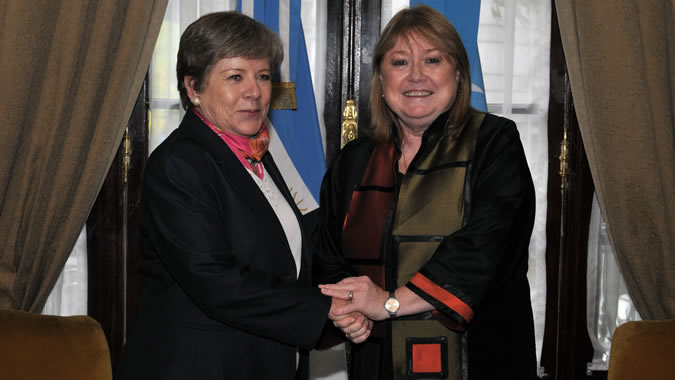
[(564, 159), (283, 96), (126, 158), (349, 126)]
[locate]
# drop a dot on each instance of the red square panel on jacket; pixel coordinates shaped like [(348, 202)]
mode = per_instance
[(426, 357)]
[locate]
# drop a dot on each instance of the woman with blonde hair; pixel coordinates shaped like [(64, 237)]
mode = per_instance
[(426, 222)]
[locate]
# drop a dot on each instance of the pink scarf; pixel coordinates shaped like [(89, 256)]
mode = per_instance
[(249, 150)]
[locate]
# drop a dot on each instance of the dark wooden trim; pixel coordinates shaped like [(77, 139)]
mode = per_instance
[(332, 113), (112, 237), (370, 17), (353, 28), (567, 347), (138, 132), (573, 333), (105, 257), (554, 201)]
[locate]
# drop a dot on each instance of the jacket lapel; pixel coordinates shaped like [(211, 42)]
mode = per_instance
[(275, 174), (234, 172)]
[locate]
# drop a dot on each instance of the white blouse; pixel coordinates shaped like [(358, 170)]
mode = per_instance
[(284, 212)]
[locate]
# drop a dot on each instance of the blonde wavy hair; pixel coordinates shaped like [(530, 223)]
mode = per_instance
[(428, 24)]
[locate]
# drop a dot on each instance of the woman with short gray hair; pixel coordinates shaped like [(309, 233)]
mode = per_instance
[(224, 269)]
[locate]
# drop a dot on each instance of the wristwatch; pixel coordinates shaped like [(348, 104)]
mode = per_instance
[(391, 305)]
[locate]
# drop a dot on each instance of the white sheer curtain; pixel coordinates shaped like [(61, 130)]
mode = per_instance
[(514, 45), (608, 303), (69, 296)]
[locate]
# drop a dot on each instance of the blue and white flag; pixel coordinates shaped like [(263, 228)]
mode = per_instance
[(464, 15), (295, 132)]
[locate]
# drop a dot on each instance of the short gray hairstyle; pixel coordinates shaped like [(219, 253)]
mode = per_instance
[(219, 35)]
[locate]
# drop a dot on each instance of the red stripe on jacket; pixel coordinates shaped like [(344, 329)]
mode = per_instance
[(446, 298)]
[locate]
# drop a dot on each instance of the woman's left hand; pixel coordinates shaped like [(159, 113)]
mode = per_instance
[(364, 294)]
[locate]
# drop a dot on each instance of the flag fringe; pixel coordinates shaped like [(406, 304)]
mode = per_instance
[(283, 96)]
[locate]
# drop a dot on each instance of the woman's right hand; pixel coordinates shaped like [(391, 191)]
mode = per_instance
[(355, 325), (366, 297)]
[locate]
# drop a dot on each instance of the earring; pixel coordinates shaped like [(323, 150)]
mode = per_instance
[(196, 101)]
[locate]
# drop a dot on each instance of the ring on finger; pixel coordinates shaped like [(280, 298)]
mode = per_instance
[(351, 296)]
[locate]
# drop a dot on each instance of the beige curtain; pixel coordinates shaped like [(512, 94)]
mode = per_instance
[(70, 74), (621, 61)]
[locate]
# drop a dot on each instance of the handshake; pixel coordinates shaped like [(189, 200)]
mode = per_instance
[(356, 303)]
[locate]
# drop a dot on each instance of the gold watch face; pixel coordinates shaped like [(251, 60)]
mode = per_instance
[(391, 305)]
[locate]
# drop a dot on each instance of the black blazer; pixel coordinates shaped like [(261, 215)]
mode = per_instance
[(219, 297)]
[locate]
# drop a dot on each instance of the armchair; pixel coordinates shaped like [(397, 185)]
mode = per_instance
[(643, 350), (35, 346)]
